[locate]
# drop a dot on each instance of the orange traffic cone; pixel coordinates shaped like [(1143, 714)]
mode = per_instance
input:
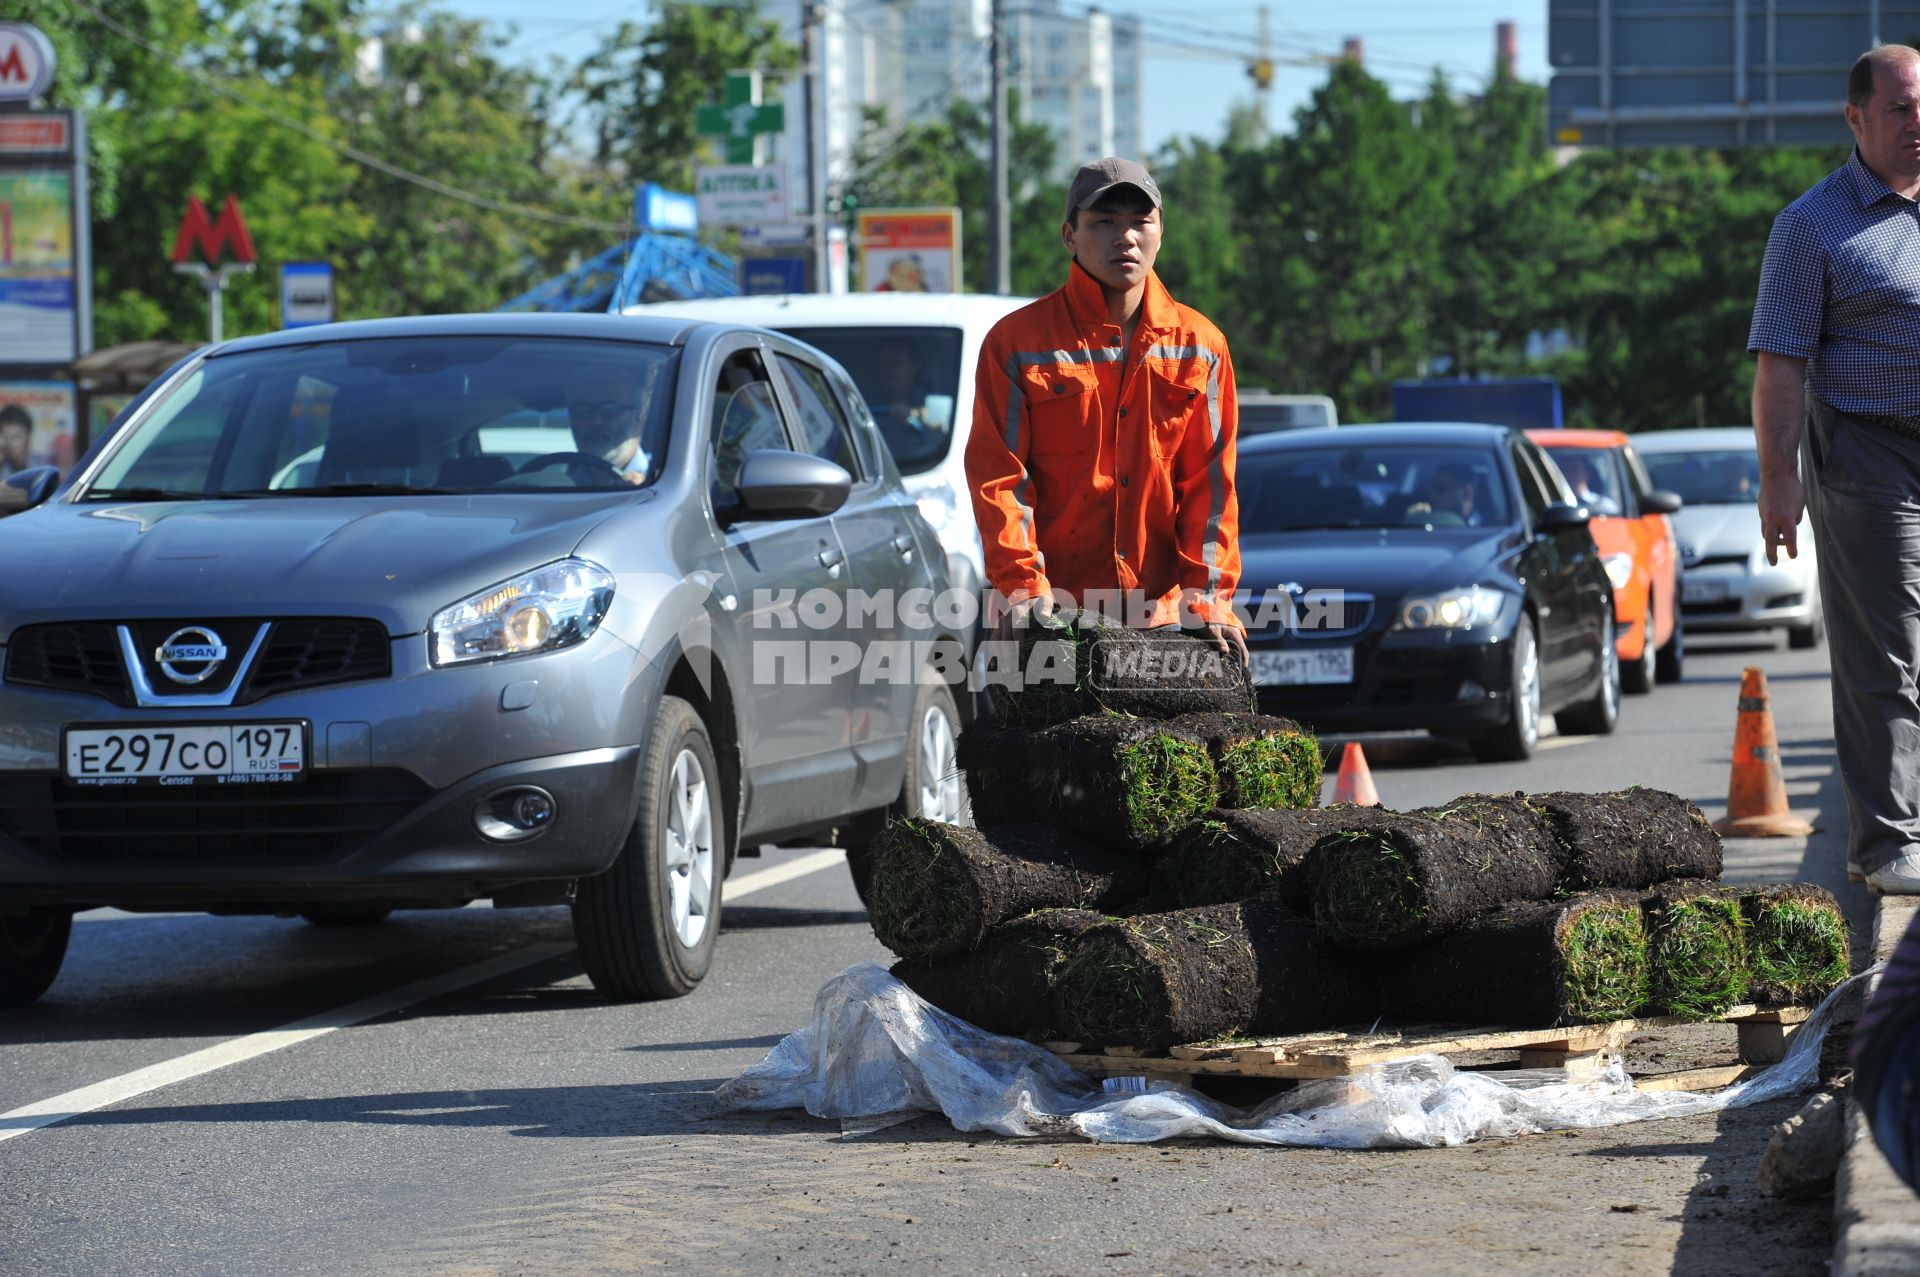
[(1756, 794), (1354, 783)]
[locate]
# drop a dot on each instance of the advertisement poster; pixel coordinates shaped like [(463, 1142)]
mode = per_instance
[(910, 250), (101, 410), (36, 267), (36, 425)]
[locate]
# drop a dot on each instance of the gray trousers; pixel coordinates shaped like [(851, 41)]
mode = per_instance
[(1863, 498)]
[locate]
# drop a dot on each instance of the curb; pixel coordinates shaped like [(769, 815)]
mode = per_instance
[(1876, 1217)]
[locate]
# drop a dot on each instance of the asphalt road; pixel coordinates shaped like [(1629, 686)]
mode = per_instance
[(444, 1093)]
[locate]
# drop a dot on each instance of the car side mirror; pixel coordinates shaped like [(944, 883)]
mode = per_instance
[(1660, 501), (773, 483), (1561, 517), (37, 483)]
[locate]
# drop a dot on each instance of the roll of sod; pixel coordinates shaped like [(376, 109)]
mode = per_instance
[(1126, 782), (1165, 673), (1234, 854), (1043, 676), (1394, 884), (1697, 940), (1082, 663), (1156, 980), (1797, 948), (1005, 985), (1633, 838), (1262, 761), (994, 759), (940, 889), (1540, 963)]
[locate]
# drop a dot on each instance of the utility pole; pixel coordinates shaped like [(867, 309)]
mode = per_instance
[(999, 210), (1262, 72), (814, 100)]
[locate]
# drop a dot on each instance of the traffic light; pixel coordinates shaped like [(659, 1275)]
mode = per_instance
[(1261, 72)]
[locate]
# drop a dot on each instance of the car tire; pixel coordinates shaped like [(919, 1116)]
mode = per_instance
[(1600, 715), (647, 926), (346, 915), (1670, 662), (1638, 677), (1803, 638), (32, 947), (1517, 739), (933, 788)]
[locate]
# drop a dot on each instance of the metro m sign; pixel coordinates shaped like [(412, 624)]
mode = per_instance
[(211, 236), (26, 62)]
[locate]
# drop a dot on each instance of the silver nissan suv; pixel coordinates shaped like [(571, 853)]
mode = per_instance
[(409, 613)]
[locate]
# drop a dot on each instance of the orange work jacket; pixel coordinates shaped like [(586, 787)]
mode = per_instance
[(1095, 468)]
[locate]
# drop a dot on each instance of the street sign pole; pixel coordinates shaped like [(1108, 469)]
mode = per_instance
[(214, 280)]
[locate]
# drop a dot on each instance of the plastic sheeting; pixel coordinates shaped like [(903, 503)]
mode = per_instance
[(875, 1049)]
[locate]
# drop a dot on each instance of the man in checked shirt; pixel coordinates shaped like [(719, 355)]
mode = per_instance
[(1836, 412)]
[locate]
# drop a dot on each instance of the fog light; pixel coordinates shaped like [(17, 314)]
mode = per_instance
[(514, 815)]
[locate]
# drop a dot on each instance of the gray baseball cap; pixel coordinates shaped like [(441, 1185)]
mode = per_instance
[(1096, 179)]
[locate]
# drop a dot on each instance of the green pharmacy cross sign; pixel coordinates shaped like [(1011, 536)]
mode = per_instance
[(741, 118)]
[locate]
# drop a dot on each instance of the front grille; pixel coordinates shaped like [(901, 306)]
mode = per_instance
[(1318, 614), (78, 657), (309, 652), (1714, 560), (1720, 607), (299, 652), (316, 821)]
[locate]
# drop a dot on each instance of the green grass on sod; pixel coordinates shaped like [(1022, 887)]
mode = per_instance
[(1797, 944), (1699, 949)]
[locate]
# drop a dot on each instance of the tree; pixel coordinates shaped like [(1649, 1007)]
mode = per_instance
[(1344, 213), (642, 86), (947, 161)]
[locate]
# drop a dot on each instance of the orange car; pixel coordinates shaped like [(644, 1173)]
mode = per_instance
[(1635, 539)]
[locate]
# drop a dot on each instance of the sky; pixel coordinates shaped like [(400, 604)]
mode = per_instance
[(1194, 74)]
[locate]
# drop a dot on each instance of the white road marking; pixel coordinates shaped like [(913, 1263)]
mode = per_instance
[(799, 867), (127, 1086), (1561, 742), (60, 1108)]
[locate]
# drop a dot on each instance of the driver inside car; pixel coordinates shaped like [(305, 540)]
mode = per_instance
[(605, 408)]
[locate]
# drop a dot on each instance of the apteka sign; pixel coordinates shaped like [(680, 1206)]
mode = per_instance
[(212, 236), (26, 62)]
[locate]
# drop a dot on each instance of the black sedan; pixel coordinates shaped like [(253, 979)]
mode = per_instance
[(1433, 576)]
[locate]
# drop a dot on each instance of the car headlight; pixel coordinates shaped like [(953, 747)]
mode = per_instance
[(544, 610), (1619, 569), (1453, 610)]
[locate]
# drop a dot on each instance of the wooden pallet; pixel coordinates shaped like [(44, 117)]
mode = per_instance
[(1581, 1050)]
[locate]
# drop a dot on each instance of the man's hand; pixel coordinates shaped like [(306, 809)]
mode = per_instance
[(1779, 416), (1229, 641), (1024, 609), (1783, 499)]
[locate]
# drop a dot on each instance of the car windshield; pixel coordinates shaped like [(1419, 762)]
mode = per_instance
[(1371, 486), (1710, 476), (1595, 476), (443, 414), (910, 378)]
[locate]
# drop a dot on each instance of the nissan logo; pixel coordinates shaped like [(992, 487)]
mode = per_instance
[(191, 655)]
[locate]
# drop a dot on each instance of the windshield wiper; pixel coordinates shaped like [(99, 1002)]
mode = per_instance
[(150, 494), (342, 490)]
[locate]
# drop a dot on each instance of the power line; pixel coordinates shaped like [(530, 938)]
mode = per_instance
[(353, 153)]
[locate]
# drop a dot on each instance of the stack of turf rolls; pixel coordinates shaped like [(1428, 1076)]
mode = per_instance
[(1149, 867)]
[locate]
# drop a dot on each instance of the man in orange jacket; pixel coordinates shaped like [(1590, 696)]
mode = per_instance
[(1101, 456)]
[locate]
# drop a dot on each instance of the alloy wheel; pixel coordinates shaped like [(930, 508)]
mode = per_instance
[(689, 850)]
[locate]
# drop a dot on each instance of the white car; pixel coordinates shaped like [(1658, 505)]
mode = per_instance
[(912, 356), (1726, 582)]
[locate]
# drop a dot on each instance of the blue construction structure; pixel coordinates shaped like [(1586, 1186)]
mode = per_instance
[(662, 262)]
